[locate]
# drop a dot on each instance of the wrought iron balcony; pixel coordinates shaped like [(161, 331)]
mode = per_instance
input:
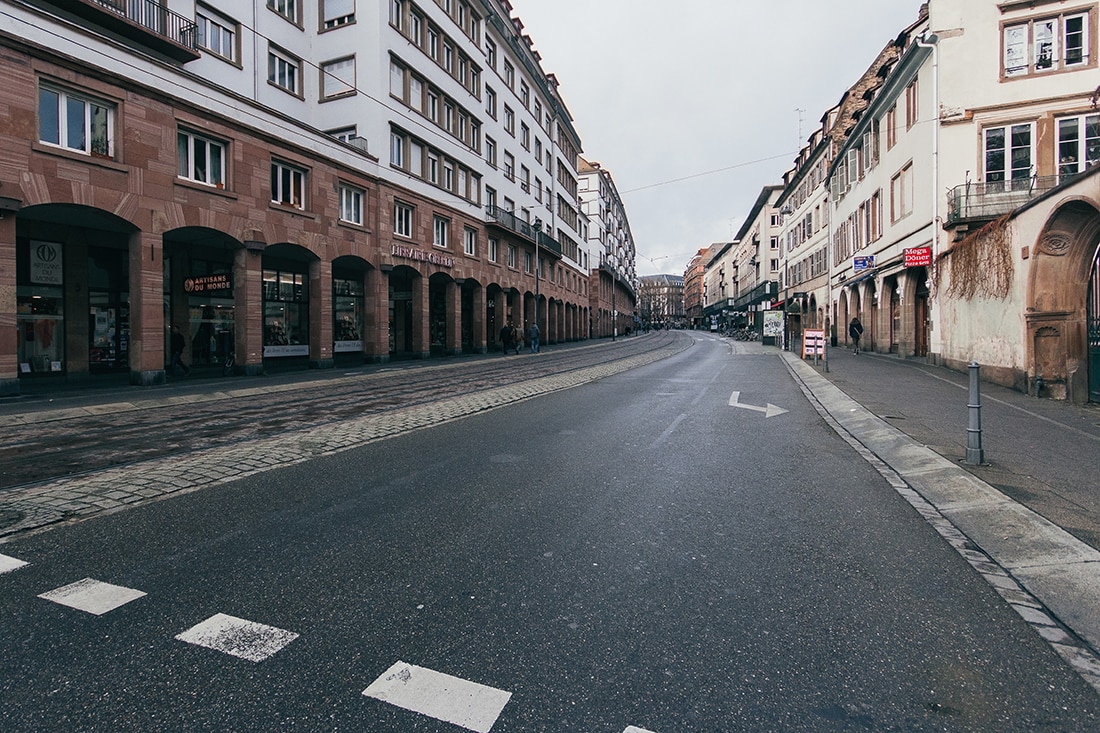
[(973, 202), (147, 22), (496, 216)]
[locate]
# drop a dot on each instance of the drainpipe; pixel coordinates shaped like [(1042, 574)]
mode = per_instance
[(931, 42)]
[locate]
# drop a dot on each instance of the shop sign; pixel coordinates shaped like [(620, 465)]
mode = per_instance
[(860, 264), (208, 283), (287, 350), (46, 263), (412, 253), (813, 342), (346, 347), (918, 256)]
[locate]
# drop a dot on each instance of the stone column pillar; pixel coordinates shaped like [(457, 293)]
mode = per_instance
[(454, 318), (248, 313), (479, 338), (146, 348), (376, 317), (9, 338), (422, 344), (320, 315)]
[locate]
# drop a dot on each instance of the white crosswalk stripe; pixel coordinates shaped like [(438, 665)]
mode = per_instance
[(453, 700), (634, 729), (8, 563), (92, 596), (238, 637)]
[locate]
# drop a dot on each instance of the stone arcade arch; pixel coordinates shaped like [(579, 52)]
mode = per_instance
[(1064, 267), (80, 305)]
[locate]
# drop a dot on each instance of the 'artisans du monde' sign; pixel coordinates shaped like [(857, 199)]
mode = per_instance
[(412, 253)]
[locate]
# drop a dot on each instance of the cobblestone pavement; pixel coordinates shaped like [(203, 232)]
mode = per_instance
[(78, 497)]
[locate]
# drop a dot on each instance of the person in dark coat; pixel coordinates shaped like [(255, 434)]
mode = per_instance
[(855, 331), (506, 338), (178, 345)]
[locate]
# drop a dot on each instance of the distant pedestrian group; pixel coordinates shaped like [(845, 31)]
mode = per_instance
[(509, 339)]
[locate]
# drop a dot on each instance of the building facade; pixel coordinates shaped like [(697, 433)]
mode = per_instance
[(390, 180), (614, 277), (694, 277), (661, 301)]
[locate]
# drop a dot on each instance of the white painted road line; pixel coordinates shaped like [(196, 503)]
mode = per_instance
[(8, 563), (633, 729), (92, 596), (440, 696), (238, 637)]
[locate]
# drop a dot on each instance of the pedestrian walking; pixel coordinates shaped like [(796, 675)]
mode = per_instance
[(178, 345), (517, 337), (855, 330), (533, 337), (506, 338)]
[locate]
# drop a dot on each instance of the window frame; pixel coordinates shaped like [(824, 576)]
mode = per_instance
[(403, 215), (284, 190), (287, 9), (276, 55), (1024, 53), (349, 195), (91, 120), (222, 23), (211, 144), (469, 241), (329, 77), (329, 22), (441, 229)]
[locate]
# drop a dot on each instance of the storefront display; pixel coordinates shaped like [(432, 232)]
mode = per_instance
[(347, 302), (286, 314), (40, 308)]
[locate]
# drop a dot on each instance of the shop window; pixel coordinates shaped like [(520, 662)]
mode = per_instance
[(73, 121), (40, 308), (286, 314), (348, 309)]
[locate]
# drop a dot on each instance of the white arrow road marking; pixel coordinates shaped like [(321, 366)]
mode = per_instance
[(769, 411)]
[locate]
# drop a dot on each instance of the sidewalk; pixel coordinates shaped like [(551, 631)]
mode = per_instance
[(1029, 521)]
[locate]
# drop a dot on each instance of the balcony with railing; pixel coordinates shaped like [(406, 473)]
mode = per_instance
[(146, 22), (507, 220), (979, 202)]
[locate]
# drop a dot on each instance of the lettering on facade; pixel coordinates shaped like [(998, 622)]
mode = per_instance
[(918, 256), (861, 264), (208, 283), (412, 253), (46, 268)]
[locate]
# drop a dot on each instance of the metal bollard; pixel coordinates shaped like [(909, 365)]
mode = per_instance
[(975, 456)]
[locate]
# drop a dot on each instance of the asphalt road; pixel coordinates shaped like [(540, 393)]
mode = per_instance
[(635, 553)]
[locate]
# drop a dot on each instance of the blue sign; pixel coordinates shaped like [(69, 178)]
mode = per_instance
[(859, 264)]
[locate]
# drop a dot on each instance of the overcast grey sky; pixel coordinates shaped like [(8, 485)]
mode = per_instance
[(661, 92)]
